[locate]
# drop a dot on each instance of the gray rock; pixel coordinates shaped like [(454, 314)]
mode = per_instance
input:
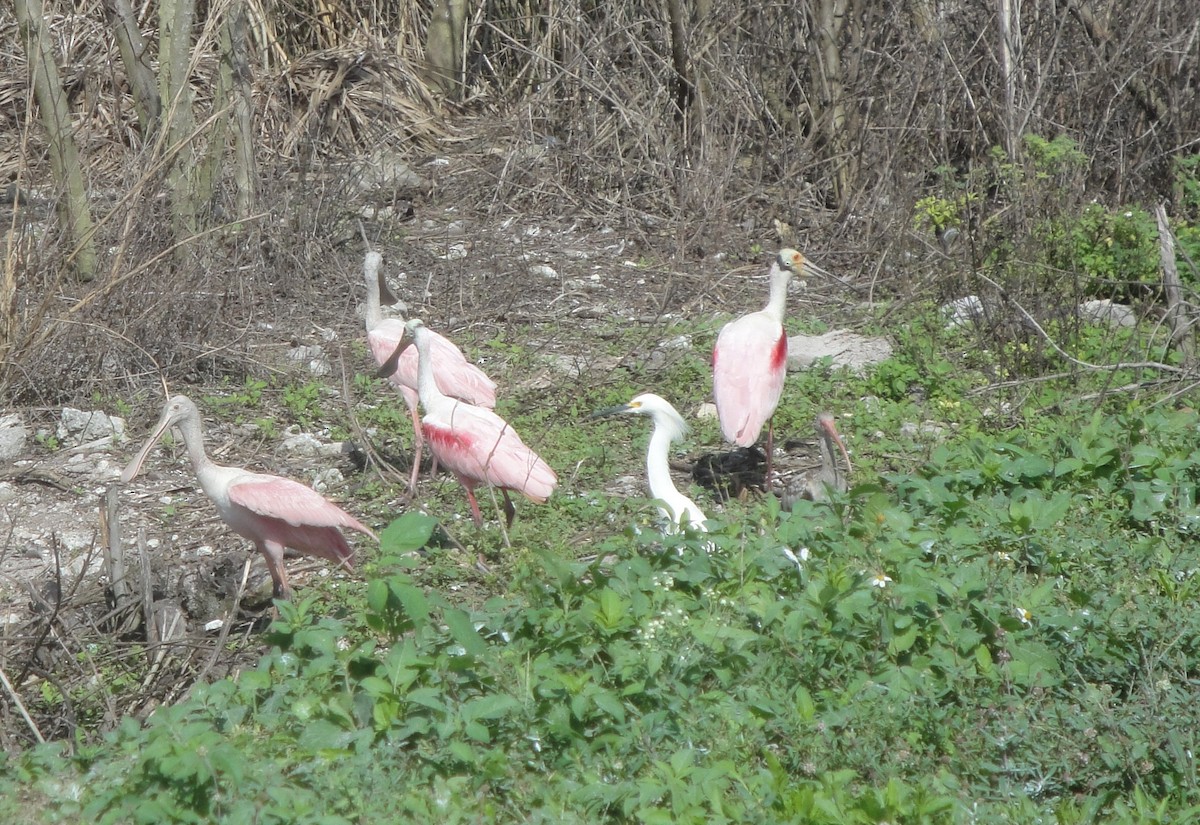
[(77, 427), (302, 444), (13, 435), (1104, 311), (572, 366), (325, 479), (962, 311), (924, 430), (314, 355), (386, 169), (844, 348)]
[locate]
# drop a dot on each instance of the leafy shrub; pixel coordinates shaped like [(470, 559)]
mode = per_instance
[(1003, 635)]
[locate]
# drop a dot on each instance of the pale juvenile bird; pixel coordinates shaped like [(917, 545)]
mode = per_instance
[(275, 513), (817, 484)]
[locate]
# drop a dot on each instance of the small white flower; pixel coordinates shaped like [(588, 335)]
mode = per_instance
[(1025, 617), (1000, 554), (797, 558), (880, 580)]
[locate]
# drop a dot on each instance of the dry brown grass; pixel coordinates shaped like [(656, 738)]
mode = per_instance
[(572, 111)]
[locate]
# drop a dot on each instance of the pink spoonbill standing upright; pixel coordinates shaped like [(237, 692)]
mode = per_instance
[(477, 445), (750, 360), (455, 375), (275, 513)]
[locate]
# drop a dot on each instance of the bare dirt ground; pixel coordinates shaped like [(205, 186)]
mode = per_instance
[(553, 284)]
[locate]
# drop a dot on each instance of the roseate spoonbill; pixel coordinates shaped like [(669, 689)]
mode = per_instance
[(749, 362), (273, 512), (668, 426), (817, 483), (455, 375), (476, 445)]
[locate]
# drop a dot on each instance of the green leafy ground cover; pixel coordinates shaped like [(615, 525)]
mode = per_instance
[(999, 628), (996, 624)]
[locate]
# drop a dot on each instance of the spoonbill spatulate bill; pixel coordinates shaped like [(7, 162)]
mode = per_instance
[(668, 426), (474, 443), (750, 361), (275, 513), (455, 375)]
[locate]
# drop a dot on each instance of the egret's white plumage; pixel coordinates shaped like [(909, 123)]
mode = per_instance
[(668, 426)]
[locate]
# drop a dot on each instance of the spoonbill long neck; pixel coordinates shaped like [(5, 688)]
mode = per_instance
[(193, 439), (371, 276), (777, 298), (427, 388), (829, 463)]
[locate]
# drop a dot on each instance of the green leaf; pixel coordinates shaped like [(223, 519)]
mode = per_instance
[(374, 686), (462, 629), (492, 706), (983, 660), (321, 734), (377, 595), (478, 731), (462, 752), (610, 704), (408, 533), (611, 611), (413, 599), (804, 704)]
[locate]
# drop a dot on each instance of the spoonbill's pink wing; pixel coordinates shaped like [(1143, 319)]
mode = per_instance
[(749, 362), (480, 445), (455, 375), (291, 502)]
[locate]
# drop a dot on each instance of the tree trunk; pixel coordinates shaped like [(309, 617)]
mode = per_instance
[(245, 174), (828, 25), (72, 203), (1010, 50), (444, 44), (134, 56), (685, 89), (1178, 318), (174, 54)]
